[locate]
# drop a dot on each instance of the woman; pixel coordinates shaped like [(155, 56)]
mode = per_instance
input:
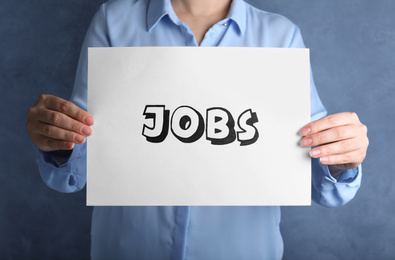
[(59, 128)]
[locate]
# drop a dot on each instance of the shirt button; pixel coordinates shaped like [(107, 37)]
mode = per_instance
[(225, 24)]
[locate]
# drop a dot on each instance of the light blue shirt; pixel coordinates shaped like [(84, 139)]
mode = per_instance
[(187, 232)]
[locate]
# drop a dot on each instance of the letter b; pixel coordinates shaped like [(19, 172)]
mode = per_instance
[(220, 126)]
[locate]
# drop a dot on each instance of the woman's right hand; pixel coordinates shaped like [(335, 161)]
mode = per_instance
[(57, 124)]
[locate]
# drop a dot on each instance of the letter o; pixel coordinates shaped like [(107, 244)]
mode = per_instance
[(187, 124)]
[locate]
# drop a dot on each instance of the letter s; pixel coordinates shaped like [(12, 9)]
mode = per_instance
[(249, 133)]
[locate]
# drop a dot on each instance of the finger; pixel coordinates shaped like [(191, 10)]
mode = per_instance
[(53, 132), (330, 136), (353, 158), (67, 108), (329, 122), (337, 148), (48, 144), (54, 118)]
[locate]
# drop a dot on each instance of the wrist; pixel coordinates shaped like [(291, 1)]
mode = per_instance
[(335, 170)]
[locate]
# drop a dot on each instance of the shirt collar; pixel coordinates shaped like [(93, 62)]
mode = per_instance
[(238, 14), (157, 9)]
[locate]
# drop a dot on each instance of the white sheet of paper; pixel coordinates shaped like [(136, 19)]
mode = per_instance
[(125, 169)]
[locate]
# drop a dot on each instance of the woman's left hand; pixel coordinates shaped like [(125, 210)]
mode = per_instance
[(339, 140)]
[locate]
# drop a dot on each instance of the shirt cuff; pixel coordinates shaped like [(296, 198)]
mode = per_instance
[(60, 159), (334, 192), (347, 176), (64, 176)]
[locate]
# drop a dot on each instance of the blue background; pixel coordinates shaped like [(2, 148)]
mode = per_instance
[(352, 53)]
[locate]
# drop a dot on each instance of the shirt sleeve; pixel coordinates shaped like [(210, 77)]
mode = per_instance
[(69, 174), (327, 190)]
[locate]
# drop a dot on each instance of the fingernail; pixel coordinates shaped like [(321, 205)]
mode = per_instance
[(88, 120), (69, 145), (305, 131), (306, 142), (324, 159), (80, 139), (86, 130), (315, 152)]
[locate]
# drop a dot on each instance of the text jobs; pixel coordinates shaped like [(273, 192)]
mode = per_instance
[(188, 125)]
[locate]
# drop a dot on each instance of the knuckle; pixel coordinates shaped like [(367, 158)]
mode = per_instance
[(326, 150), (54, 118), (75, 126), (367, 142), (42, 98), (353, 116), (79, 114), (345, 146), (64, 106), (332, 120), (30, 111), (345, 159), (48, 143), (319, 139), (47, 130), (364, 129), (69, 136), (314, 127), (340, 133)]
